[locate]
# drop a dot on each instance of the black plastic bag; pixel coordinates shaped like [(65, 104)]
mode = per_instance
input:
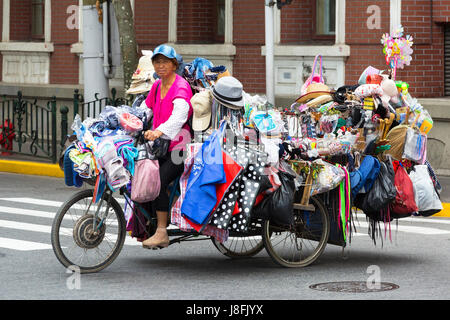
[(383, 192), (278, 206)]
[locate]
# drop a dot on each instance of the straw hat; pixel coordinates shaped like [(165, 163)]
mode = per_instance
[(143, 79), (202, 104), (319, 100), (315, 90)]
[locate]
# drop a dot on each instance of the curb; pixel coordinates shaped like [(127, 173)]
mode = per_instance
[(32, 168)]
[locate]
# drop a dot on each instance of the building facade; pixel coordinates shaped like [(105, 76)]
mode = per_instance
[(42, 42)]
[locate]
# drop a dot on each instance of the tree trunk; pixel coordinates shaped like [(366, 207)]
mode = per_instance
[(127, 38)]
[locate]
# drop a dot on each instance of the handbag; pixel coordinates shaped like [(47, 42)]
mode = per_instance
[(146, 183), (160, 147), (314, 77)]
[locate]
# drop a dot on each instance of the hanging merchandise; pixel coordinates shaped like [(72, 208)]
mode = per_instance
[(404, 203), (207, 172), (415, 146), (397, 49), (146, 183), (329, 177), (314, 77), (425, 195)]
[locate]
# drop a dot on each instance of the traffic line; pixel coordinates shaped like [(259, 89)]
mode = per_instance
[(407, 229), (47, 229), (48, 203), (22, 245)]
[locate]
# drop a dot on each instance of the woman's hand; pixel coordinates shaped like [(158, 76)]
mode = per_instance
[(152, 134)]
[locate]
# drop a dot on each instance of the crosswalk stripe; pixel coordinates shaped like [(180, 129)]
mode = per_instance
[(47, 229), (42, 214), (22, 245), (407, 229), (49, 203)]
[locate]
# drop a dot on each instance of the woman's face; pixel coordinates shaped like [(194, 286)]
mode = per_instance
[(164, 67)]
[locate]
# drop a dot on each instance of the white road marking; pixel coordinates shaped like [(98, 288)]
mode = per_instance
[(48, 203), (23, 245), (407, 229), (47, 229)]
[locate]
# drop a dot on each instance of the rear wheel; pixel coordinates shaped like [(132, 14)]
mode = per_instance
[(302, 243), (241, 245), (79, 240)]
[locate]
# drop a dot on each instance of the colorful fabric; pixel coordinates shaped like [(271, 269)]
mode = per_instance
[(207, 172), (176, 216)]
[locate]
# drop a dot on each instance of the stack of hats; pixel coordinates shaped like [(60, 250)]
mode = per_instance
[(143, 78), (316, 94)]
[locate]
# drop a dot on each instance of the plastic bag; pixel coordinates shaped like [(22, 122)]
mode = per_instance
[(329, 177), (404, 204), (278, 206), (415, 146), (425, 195), (382, 193)]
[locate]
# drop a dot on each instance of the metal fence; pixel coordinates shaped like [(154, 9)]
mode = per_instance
[(93, 108), (30, 128)]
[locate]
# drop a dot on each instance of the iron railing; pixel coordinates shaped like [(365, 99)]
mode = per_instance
[(94, 107), (30, 128)]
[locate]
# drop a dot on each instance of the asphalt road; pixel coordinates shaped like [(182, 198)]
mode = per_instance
[(416, 260)]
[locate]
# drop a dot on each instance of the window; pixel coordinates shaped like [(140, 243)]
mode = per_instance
[(37, 19), (220, 25), (325, 19)]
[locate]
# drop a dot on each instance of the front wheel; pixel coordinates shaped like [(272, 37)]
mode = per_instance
[(302, 243), (82, 241)]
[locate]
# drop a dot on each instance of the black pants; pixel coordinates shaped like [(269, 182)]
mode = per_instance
[(168, 172)]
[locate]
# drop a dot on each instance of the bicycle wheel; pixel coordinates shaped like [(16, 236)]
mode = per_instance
[(76, 242), (302, 243), (242, 245)]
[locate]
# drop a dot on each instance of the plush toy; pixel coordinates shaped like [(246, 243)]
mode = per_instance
[(390, 92)]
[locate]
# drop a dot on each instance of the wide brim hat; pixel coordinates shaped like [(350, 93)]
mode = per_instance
[(320, 100), (202, 106), (314, 91), (145, 69), (229, 92), (140, 86)]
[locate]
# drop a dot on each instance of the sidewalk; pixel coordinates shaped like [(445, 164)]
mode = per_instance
[(29, 165)]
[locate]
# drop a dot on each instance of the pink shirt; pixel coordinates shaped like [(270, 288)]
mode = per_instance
[(163, 108)]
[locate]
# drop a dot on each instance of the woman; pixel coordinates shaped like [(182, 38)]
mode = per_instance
[(169, 101)]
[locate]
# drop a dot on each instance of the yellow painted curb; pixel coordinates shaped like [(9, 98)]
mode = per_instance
[(445, 212), (33, 168)]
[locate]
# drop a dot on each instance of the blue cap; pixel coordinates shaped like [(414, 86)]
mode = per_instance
[(165, 50)]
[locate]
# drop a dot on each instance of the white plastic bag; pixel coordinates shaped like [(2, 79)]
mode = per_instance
[(329, 177), (425, 195)]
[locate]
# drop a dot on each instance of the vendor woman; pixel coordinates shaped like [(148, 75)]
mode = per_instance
[(169, 100)]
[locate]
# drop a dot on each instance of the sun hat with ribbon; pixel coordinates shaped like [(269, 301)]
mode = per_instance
[(314, 91), (143, 79), (202, 104), (228, 91)]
